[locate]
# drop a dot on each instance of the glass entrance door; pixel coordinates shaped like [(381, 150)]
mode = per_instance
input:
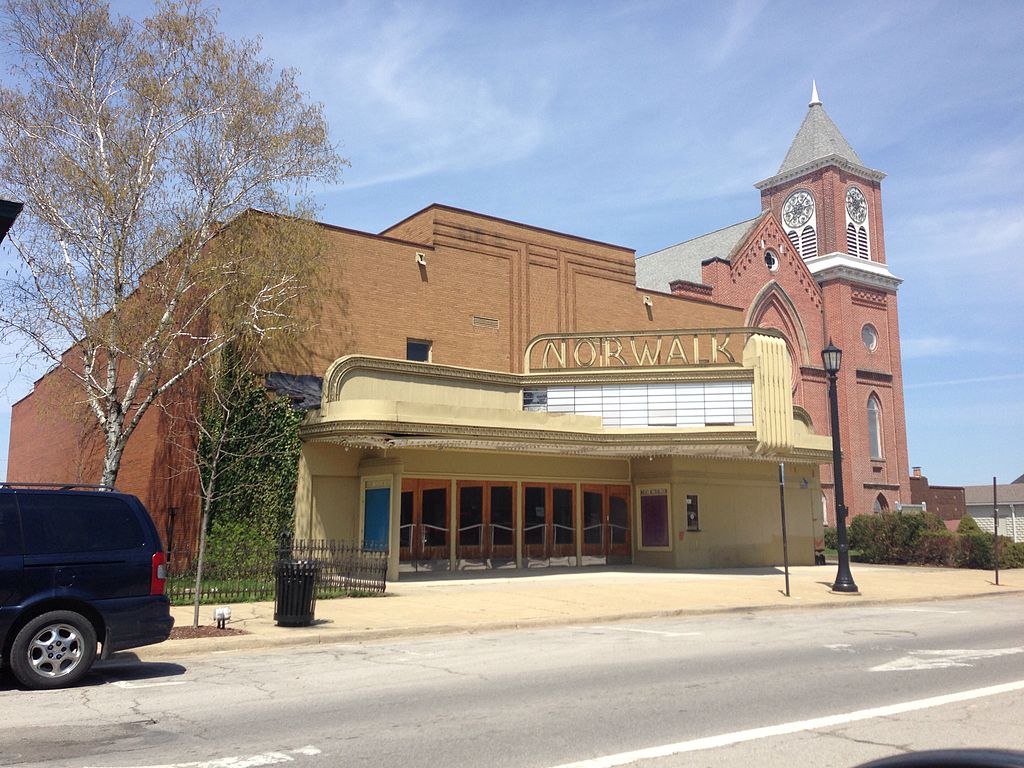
[(424, 530), (471, 543), (535, 521), (549, 521), (501, 512), (606, 527), (486, 525), (620, 542)]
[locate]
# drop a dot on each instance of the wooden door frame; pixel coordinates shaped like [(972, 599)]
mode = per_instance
[(418, 549), (626, 549), (482, 550), (601, 548), (529, 550), (561, 550), (500, 551)]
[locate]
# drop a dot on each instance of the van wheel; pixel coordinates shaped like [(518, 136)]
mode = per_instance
[(53, 650)]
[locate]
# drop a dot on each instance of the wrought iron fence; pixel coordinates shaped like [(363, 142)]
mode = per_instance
[(244, 573)]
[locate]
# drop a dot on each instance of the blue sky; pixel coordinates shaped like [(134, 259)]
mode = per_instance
[(647, 123)]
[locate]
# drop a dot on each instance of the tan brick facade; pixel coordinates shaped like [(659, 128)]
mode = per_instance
[(486, 287)]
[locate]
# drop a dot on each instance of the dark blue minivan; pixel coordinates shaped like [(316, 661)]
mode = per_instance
[(79, 566)]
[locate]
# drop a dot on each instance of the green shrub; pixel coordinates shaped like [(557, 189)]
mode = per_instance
[(1011, 554), (976, 548), (937, 548), (895, 537), (968, 525), (921, 538), (831, 538), (863, 532)]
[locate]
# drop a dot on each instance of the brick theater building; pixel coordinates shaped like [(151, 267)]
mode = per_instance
[(496, 392)]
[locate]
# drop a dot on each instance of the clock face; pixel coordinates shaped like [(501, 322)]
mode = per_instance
[(856, 205), (798, 209)]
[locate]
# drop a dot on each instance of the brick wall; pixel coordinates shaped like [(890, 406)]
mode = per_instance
[(374, 297)]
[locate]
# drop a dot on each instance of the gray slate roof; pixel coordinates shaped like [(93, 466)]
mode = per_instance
[(818, 137), (654, 271), (1012, 493)]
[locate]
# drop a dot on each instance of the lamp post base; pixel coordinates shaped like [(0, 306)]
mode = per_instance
[(845, 585), (844, 590)]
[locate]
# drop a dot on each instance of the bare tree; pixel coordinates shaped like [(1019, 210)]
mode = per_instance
[(132, 145)]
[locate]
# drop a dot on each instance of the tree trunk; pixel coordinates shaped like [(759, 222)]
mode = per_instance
[(115, 450)]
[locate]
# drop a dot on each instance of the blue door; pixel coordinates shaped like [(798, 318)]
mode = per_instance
[(377, 519)]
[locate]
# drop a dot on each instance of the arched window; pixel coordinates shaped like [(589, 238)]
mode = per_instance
[(881, 504), (875, 426), (808, 242)]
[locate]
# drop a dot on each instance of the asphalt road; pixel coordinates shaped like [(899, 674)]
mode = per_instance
[(830, 687)]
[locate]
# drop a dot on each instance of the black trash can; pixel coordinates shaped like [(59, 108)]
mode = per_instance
[(295, 597)]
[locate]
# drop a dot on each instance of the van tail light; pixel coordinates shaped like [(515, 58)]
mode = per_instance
[(158, 577)]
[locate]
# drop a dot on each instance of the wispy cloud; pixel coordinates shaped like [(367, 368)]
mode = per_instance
[(929, 346), (741, 25), (972, 380)]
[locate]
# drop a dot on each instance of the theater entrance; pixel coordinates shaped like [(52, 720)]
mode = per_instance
[(606, 525), (549, 528), (423, 532), (486, 521), (448, 523)]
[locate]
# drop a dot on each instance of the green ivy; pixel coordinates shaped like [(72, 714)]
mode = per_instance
[(258, 467)]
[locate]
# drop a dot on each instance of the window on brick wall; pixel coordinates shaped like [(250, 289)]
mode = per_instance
[(417, 349), (875, 426)]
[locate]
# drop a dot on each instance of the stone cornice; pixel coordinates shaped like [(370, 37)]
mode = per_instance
[(740, 443), (841, 266), (822, 162)]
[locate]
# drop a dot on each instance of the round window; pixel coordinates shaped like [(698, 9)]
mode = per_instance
[(771, 261), (870, 337)]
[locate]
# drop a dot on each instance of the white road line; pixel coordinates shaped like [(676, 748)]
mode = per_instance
[(251, 761), (644, 631), (924, 610), (129, 684), (942, 659), (727, 739)]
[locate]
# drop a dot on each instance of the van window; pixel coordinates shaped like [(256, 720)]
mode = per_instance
[(10, 531), (63, 523)]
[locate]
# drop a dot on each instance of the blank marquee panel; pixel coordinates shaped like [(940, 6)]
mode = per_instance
[(651, 405)]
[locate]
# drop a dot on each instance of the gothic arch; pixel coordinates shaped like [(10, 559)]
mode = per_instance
[(771, 300)]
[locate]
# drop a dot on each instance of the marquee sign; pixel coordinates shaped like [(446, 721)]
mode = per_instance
[(657, 349)]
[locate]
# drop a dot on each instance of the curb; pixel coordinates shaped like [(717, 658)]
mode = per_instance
[(172, 649)]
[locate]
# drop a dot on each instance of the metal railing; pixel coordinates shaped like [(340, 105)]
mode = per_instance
[(242, 573)]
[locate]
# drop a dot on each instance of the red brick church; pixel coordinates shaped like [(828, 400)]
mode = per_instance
[(812, 265)]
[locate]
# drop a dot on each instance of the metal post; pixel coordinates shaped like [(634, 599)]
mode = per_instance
[(844, 579), (171, 512), (782, 506), (995, 530)]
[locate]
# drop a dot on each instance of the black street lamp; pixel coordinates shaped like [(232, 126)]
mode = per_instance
[(832, 357)]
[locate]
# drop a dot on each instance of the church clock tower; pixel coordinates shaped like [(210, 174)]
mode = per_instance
[(830, 206)]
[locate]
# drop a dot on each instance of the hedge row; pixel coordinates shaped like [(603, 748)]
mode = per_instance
[(921, 538)]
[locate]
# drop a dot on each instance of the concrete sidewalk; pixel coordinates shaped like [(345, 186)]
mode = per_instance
[(491, 600)]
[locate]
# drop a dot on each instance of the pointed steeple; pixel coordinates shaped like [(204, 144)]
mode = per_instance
[(817, 138), (818, 143)]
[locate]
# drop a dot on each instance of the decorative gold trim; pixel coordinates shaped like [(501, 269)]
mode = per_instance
[(745, 331)]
